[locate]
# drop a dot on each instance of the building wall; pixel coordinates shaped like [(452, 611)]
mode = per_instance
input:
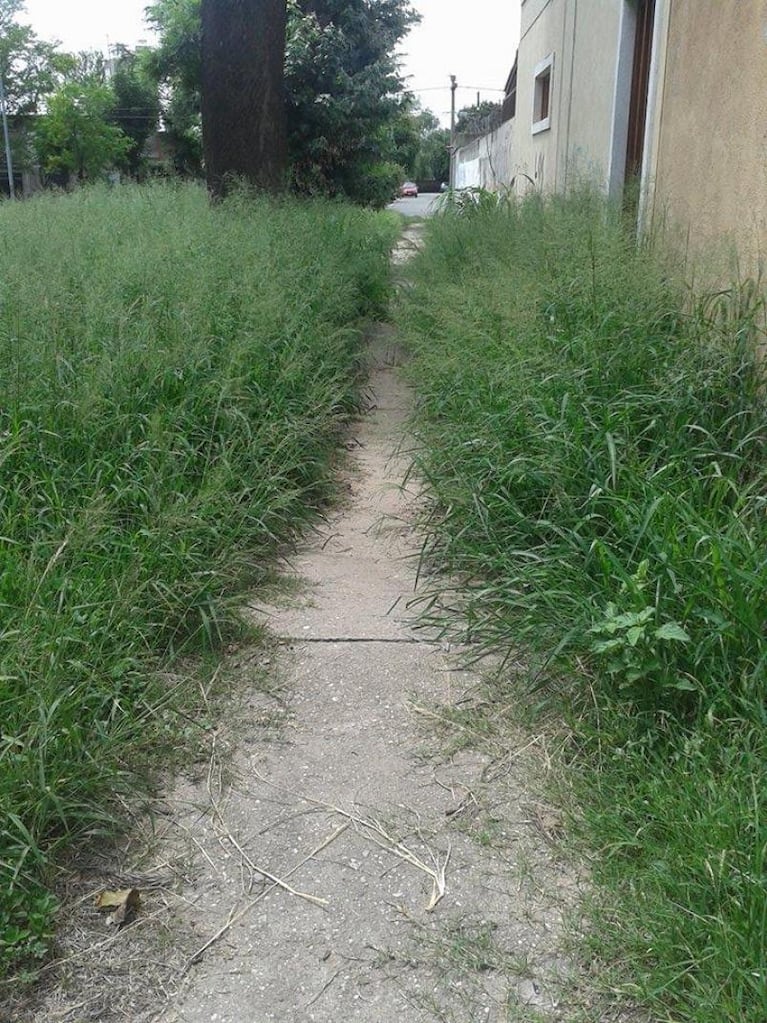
[(592, 46), (487, 162), (467, 166), (589, 112), (543, 32), (710, 175)]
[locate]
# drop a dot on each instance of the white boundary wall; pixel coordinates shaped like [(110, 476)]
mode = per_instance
[(487, 161)]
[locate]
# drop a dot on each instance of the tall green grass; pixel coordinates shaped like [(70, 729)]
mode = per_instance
[(172, 383), (592, 441)]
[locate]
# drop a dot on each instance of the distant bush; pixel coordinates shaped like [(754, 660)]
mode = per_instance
[(375, 185)]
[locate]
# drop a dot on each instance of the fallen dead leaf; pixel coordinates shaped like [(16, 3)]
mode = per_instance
[(123, 905)]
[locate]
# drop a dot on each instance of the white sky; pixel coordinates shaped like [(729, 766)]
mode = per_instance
[(475, 41), (87, 24)]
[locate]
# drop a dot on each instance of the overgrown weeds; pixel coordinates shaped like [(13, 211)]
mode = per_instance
[(592, 442), (174, 379)]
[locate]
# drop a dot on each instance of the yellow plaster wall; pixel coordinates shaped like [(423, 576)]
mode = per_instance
[(710, 178)]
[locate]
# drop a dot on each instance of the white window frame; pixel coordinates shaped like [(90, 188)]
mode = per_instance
[(546, 65)]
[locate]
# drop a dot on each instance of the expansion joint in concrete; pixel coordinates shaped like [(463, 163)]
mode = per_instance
[(287, 640)]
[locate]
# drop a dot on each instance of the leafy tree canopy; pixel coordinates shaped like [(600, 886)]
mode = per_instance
[(178, 58), (418, 144), (344, 90), (85, 121), (136, 108), (433, 159), (31, 68), (76, 136), (479, 119), (176, 64)]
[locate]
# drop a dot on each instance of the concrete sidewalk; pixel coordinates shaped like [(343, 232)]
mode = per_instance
[(419, 891)]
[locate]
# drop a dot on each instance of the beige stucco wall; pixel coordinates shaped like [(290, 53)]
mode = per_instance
[(585, 38), (710, 178), (542, 32), (588, 120)]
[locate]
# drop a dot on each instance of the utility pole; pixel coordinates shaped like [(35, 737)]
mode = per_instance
[(7, 138), (453, 87)]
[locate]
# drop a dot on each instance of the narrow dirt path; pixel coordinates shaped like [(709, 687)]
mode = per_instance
[(353, 868)]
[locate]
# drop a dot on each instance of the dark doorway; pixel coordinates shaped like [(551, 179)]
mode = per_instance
[(640, 86)]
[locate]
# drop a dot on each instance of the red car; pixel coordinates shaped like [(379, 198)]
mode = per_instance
[(409, 190)]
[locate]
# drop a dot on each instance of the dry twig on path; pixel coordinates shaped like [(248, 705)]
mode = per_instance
[(321, 991), (236, 917), (254, 867), (376, 833)]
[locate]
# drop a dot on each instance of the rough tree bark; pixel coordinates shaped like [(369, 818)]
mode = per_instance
[(243, 102)]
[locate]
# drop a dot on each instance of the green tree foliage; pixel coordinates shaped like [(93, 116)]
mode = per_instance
[(432, 160), (401, 136), (76, 134), (417, 143), (479, 119), (31, 68), (136, 106), (85, 68), (178, 58), (344, 90), (176, 65)]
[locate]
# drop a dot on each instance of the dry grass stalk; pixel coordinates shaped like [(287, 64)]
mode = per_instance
[(322, 990), (254, 867), (434, 716), (236, 917), (375, 832), (100, 946)]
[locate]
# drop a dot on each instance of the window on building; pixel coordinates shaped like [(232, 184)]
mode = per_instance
[(542, 95)]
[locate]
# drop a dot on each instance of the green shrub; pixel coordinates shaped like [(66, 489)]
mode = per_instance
[(375, 184)]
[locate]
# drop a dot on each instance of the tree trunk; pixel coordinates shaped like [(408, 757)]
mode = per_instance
[(243, 102)]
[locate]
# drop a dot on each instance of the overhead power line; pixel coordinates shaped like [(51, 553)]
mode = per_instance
[(440, 88)]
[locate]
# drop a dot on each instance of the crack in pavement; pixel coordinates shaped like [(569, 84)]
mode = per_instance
[(350, 639)]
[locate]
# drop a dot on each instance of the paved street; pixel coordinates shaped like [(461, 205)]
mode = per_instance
[(423, 206)]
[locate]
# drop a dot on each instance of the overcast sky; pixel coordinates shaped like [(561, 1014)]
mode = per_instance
[(475, 41)]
